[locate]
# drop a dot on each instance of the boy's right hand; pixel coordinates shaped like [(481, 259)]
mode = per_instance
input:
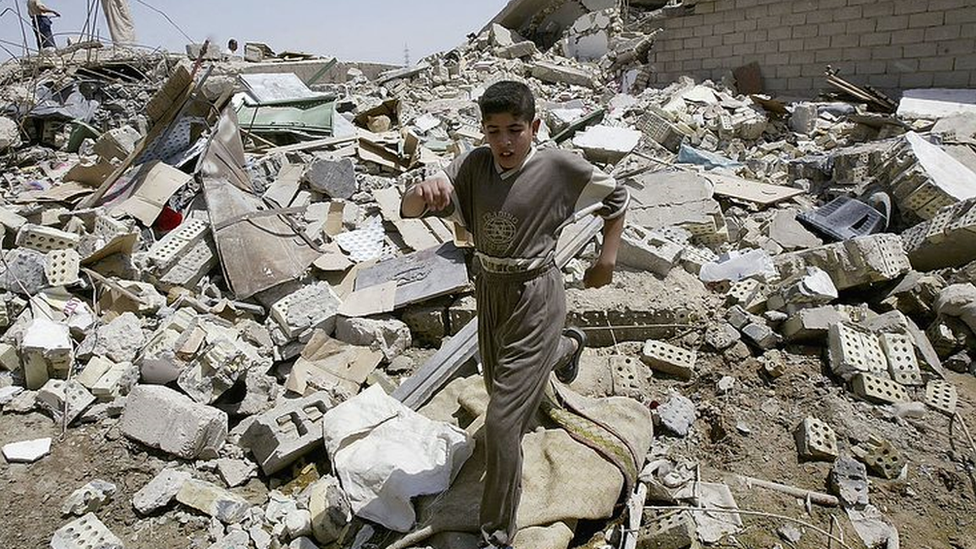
[(435, 193)]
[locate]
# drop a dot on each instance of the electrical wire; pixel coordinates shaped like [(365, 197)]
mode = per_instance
[(167, 17)]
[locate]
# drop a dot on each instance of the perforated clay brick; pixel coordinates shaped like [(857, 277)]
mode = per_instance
[(941, 396), (669, 359), (86, 532), (878, 389), (816, 439), (902, 362), (62, 267)]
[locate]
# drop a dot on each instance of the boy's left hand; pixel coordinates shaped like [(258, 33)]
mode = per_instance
[(599, 275)]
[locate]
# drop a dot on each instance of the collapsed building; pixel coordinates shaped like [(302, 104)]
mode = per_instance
[(205, 256)]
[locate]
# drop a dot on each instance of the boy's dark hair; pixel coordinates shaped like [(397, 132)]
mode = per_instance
[(508, 96)]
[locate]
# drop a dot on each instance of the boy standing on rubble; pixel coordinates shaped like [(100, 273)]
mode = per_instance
[(38, 13), (515, 200)]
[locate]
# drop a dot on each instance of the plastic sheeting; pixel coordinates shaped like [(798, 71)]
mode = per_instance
[(385, 454)]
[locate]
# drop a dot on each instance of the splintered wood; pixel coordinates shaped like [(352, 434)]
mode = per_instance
[(418, 234)]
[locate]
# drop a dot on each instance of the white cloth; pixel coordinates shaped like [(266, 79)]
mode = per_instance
[(385, 454), (119, 20)]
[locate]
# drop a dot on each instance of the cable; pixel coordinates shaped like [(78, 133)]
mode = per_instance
[(171, 22)]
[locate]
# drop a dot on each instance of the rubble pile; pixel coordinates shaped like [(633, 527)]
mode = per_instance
[(207, 259)]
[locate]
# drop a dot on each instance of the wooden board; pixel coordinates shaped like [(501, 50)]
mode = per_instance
[(421, 275), (751, 191), (418, 234)]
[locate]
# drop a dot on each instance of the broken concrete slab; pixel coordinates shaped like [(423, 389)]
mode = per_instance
[(213, 500), (160, 491), (607, 144), (27, 451)]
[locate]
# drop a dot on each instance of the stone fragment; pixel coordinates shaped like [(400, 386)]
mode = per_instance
[(213, 500), (559, 74), (22, 271), (9, 134), (64, 400), (235, 472), (337, 179), (160, 491), (311, 307), (89, 498), (27, 451), (8, 393), (46, 351), (607, 144), (849, 481), (160, 417), (120, 340), (669, 359), (851, 263), (9, 359), (426, 322), (721, 336), (86, 532), (677, 415), (517, 51), (648, 250), (235, 539), (329, 508), (387, 335), (761, 335), (811, 324)]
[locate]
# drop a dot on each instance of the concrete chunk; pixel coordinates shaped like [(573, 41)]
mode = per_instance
[(853, 350), (558, 74), (160, 417), (89, 498), (607, 144), (64, 400), (159, 491), (337, 179), (213, 500), (279, 437), (677, 415)]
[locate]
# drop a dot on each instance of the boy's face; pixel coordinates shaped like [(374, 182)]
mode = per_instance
[(510, 138)]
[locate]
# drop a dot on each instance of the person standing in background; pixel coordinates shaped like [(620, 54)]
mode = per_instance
[(38, 13)]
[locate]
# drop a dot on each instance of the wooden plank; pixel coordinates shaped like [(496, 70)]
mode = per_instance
[(255, 254), (421, 275), (443, 366), (751, 191), (416, 234)]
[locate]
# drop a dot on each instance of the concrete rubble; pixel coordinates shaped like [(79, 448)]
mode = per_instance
[(238, 303)]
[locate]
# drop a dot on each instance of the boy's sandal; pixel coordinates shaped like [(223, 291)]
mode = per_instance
[(568, 372)]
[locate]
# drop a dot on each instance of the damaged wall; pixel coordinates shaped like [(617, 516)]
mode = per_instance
[(889, 44)]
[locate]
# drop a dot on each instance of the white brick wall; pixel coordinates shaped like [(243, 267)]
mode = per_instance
[(889, 44)]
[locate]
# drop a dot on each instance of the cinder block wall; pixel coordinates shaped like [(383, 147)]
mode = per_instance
[(890, 44)]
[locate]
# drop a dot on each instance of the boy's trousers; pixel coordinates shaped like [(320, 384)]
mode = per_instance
[(520, 322)]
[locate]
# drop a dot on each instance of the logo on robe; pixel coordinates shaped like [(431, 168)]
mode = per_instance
[(499, 230)]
